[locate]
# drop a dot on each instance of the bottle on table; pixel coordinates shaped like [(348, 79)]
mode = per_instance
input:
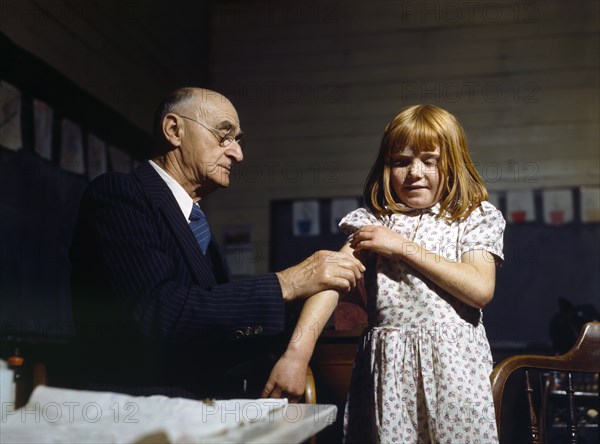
[(16, 364)]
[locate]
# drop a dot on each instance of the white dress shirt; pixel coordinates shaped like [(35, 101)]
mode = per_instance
[(183, 199)]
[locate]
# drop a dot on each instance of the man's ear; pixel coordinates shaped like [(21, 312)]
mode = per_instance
[(171, 128)]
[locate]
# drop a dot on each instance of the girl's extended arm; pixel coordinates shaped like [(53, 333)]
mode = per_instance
[(288, 377), (472, 280)]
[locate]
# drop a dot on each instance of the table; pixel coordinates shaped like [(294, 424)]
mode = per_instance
[(74, 416)]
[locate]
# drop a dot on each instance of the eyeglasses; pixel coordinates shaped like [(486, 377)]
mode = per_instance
[(224, 140)]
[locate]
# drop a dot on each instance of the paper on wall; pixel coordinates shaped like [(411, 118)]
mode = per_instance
[(240, 250), (558, 206), (42, 119), (10, 117), (520, 206), (71, 148), (590, 204), (305, 217)]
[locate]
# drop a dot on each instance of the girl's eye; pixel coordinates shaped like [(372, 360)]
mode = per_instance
[(431, 162), (401, 163)]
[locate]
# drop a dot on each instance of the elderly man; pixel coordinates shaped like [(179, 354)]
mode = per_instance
[(155, 310)]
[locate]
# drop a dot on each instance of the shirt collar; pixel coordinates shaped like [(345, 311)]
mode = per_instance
[(183, 199), (435, 210)]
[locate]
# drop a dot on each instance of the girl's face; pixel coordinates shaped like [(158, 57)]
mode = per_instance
[(416, 178)]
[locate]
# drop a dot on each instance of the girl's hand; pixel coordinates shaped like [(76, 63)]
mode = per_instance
[(380, 240), (287, 379)]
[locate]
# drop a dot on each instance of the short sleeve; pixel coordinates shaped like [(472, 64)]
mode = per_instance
[(357, 219), (484, 230)]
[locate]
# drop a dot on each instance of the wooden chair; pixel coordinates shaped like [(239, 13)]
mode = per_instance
[(310, 393), (310, 396), (584, 356)]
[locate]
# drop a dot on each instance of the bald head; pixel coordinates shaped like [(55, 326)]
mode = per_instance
[(183, 100)]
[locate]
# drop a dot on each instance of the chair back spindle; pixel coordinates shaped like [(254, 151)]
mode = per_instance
[(571, 408), (534, 431)]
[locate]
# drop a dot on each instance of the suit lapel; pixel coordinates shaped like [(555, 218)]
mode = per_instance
[(163, 198)]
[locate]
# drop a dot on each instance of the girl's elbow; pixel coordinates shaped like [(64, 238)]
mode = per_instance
[(484, 297)]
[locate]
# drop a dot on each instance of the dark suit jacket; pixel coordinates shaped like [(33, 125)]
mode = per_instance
[(152, 313)]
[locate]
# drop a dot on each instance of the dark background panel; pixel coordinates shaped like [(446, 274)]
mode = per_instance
[(39, 202), (542, 264)]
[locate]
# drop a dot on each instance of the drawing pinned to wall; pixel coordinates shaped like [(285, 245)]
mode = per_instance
[(120, 161), (494, 199), (520, 206), (590, 204), (42, 123), (10, 117), (558, 206), (339, 208), (96, 157), (305, 217), (240, 251), (71, 148)]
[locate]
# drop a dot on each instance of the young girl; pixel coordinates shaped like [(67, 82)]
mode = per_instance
[(430, 242)]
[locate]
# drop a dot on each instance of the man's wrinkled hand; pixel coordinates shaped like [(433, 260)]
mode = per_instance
[(323, 270)]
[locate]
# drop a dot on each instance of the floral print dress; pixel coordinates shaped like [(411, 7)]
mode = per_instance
[(422, 368)]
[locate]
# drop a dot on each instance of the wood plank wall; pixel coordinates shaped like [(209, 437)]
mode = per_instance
[(128, 54), (315, 83)]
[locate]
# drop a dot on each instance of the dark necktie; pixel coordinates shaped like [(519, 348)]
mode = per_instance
[(200, 228)]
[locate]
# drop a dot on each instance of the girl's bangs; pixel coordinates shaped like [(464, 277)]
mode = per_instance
[(416, 134)]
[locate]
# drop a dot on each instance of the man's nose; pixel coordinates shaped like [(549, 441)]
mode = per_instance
[(234, 150)]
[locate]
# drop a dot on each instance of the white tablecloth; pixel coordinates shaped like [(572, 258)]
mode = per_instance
[(55, 415)]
